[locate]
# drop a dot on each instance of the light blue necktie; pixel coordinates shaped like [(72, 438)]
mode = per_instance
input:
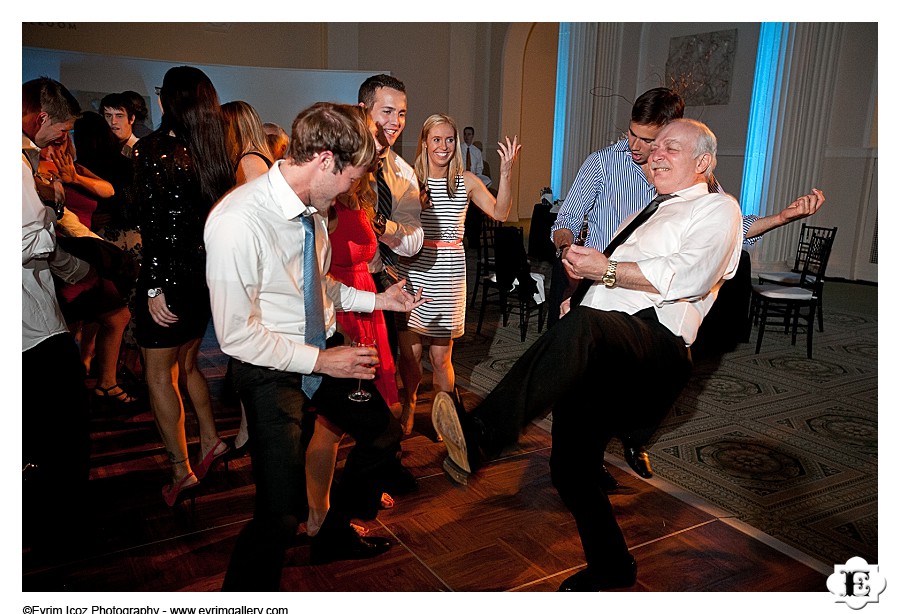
[(314, 311)]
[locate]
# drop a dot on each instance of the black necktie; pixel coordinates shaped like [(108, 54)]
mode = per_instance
[(468, 157), (617, 240), (385, 208)]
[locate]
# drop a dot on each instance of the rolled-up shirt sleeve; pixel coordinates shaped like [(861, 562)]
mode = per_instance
[(588, 183), (705, 255)]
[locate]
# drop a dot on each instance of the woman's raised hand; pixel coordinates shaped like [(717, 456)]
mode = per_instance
[(509, 153)]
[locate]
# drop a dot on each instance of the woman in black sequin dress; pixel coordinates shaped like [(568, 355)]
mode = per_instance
[(181, 170)]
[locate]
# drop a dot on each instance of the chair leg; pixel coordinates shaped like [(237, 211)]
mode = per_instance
[(477, 281), (540, 317), (504, 309), (810, 325), (523, 319), (763, 308), (821, 319), (794, 322), (484, 299)]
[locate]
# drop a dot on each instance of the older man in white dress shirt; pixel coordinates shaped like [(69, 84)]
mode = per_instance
[(618, 360)]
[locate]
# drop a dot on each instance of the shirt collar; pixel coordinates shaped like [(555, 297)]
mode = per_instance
[(695, 191), (287, 199)]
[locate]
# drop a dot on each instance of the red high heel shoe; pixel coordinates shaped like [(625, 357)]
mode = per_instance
[(174, 494), (217, 452)]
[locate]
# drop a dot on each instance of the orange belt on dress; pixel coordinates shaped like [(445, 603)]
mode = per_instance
[(430, 243)]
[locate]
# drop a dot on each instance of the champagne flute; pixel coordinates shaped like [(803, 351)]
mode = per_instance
[(359, 394)]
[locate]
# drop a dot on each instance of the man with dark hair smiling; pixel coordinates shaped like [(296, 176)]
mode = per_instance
[(397, 222)]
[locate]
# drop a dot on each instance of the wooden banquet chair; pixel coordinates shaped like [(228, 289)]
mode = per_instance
[(512, 285), (787, 305), (792, 277)]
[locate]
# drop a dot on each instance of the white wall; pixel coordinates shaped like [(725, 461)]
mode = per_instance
[(848, 170), (277, 94)]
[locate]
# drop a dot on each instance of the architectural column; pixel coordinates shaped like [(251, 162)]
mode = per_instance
[(799, 133), (593, 64)]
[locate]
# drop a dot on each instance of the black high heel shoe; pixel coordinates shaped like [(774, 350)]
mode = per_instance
[(120, 399), (184, 489)]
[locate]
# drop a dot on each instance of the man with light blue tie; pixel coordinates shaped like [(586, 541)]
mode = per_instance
[(273, 310)]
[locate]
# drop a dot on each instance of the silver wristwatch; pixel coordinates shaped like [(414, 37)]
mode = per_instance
[(154, 292)]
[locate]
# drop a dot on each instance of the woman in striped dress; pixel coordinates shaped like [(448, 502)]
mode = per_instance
[(440, 267)]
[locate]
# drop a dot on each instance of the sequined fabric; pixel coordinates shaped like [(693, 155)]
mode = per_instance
[(171, 214)]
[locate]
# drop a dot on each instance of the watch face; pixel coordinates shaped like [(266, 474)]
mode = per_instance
[(154, 292)]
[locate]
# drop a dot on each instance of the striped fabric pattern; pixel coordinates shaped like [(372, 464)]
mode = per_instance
[(440, 271), (609, 187), (385, 207)]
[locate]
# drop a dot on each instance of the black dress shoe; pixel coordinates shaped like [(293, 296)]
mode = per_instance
[(590, 581), (638, 459), (397, 480), (607, 481), (342, 544)]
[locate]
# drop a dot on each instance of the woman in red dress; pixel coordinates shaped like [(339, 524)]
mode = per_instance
[(353, 244)]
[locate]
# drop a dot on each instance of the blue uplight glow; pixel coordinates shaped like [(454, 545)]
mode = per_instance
[(559, 113), (763, 116)]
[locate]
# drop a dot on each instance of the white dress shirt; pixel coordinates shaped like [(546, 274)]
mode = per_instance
[(403, 232), (129, 144), (477, 162), (477, 159), (41, 316), (254, 269), (685, 250)]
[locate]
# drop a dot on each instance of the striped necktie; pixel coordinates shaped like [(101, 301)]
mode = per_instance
[(385, 208), (314, 311), (617, 240)]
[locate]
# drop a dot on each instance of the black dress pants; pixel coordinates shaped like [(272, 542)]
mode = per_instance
[(55, 438), (601, 373), (280, 424)]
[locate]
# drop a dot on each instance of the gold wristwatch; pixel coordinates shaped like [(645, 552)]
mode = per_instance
[(609, 278)]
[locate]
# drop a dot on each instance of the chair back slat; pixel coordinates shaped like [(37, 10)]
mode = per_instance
[(806, 235), (488, 239), (816, 259)]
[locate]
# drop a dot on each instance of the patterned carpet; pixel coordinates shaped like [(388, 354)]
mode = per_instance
[(786, 444)]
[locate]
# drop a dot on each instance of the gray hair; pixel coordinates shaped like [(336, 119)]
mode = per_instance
[(705, 144)]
